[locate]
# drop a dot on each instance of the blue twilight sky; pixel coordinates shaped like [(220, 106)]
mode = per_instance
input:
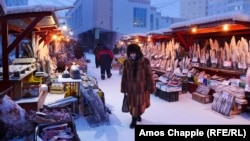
[(167, 7)]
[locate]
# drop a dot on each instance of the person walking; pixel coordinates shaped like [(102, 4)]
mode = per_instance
[(96, 50), (137, 82), (116, 50), (105, 57)]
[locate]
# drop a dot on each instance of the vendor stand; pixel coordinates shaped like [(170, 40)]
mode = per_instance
[(118, 62)]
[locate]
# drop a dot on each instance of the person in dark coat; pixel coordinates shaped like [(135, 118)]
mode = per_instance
[(78, 51), (96, 50), (105, 57), (116, 50), (137, 82)]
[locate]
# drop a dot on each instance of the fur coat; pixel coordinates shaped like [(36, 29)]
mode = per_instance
[(138, 87)]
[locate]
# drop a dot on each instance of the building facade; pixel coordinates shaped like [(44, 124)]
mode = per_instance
[(192, 9), (105, 21), (224, 6), (10, 3)]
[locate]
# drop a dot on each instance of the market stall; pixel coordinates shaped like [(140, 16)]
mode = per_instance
[(218, 47), (206, 51)]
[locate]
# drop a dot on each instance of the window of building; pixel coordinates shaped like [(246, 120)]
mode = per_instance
[(140, 17), (157, 23), (80, 14), (238, 7), (10, 3), (151, 21)]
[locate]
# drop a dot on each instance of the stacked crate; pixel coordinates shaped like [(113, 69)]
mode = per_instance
[(59, 124), (169, 96), (170, 93), (202, 94), (184, 87)]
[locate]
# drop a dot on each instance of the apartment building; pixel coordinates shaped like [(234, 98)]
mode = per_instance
[(192, 9), (106, 21), (224, 6), (10, 3)]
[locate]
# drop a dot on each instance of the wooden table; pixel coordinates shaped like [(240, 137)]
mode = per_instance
[(17, 83), (73, 82)]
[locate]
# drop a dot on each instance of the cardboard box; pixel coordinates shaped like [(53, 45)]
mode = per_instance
[(202, 98), (236, 109), (30, 89), (42, 130), (116, 66)]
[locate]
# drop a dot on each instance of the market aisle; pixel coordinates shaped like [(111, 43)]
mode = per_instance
[(118, 130), (185, 111)]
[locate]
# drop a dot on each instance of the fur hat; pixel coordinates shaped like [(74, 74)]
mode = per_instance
[(134, 48)]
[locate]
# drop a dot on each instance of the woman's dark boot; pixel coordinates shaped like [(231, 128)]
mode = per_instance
[(139, 118), (133, 123)]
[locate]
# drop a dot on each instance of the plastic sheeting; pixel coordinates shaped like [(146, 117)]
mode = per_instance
[(96, 106)]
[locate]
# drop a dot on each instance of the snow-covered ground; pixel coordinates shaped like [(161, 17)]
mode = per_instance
[(185, 111)]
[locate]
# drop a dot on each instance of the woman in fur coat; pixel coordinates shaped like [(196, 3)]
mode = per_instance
[(137, 82)]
